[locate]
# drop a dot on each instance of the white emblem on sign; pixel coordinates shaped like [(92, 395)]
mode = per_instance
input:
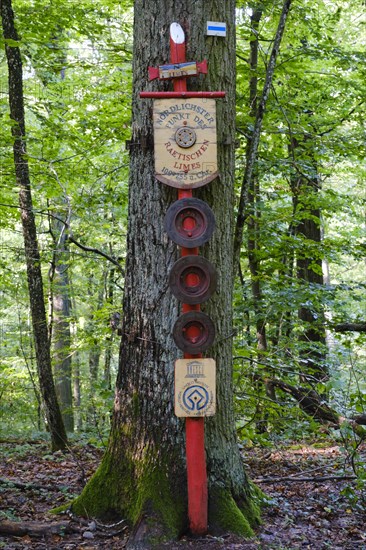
[(195, 387)]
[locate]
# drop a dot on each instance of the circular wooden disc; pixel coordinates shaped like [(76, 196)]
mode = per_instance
[(194, 332), (193, 279), (189, 222)]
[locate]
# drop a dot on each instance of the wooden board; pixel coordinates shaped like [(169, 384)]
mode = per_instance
[(185, 142), (195, 387), (178, 70)]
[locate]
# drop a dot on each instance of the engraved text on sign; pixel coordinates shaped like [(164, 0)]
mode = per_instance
[(185, 142)]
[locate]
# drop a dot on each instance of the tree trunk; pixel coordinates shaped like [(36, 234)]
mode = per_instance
[(61, 333), (309, 266), (254, 213), (143, 474), (254, 216), (34, 275), (76, 393), (94, 351), (109, 291), (253, 151)]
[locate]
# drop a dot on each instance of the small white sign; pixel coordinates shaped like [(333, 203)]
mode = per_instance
[(214, 28)]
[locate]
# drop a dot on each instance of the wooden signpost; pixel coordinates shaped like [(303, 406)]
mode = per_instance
[(186, 158), (195, 387), (185, 142)]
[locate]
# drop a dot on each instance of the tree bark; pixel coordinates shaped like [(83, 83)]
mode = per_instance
[(307, 225), (61, 333), (34, 275), (143, 475), (350, 327)]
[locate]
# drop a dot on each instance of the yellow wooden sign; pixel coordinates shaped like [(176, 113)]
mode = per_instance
[(185, 142), (195, 387)]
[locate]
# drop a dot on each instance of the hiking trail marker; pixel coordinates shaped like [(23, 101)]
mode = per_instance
[(195, 387), (185, 146), (185, 141)]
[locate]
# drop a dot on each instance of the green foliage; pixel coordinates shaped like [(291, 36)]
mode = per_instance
[(309, 172), (77, 81), (78, 78)]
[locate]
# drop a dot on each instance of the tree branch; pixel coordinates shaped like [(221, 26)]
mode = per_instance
[(35, 528), (253, 150), (72, 239), (31, 486), (350, 327), (318, 479), (96, 251)]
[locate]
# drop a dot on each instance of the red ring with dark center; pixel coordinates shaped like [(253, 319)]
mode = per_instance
[(194, 332), (193, 279), (189, 222)]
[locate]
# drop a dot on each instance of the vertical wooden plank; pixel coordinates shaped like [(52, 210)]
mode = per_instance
[(195, 428)]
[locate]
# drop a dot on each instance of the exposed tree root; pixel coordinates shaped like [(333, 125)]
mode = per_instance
[(36, 529)]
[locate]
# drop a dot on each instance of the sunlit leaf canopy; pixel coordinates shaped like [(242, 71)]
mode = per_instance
[(77, 68)]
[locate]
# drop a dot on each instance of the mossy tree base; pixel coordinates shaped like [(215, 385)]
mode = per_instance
[(142, 493), (156, 508), (229, 515), (142, 478)]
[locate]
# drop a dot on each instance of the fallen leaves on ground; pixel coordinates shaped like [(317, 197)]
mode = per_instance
[(299, 515)]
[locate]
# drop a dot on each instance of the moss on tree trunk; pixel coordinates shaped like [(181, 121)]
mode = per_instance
[(147, 499), (143, 474)]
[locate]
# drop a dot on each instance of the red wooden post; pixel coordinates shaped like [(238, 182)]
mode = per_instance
[(195, 427), (184, 95), (195, 435)]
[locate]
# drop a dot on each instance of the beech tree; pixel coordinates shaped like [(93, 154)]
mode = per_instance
[(143, 476), (32, 255)]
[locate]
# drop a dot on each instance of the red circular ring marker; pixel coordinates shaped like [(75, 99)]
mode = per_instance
[(193, 279), (189, 222), (194, 332)]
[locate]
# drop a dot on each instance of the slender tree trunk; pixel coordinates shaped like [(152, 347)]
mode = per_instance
[(34, 275), (109, 340), (61, 334), (95, 351), (254, 213), (253, 152), (143, 474), (76, 378), (76, 393), (309, 265)]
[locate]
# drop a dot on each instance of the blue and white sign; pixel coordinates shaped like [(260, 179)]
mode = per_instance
[(214, 28)]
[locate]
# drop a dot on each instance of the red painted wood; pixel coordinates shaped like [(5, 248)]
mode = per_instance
[(178, 55), (195, 430), (196, 475), (183, 94)]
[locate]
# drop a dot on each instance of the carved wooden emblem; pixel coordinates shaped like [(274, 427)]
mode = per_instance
[(185, 142), (195, 387)]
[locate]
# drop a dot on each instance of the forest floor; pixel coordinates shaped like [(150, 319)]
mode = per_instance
[(305, 485)]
